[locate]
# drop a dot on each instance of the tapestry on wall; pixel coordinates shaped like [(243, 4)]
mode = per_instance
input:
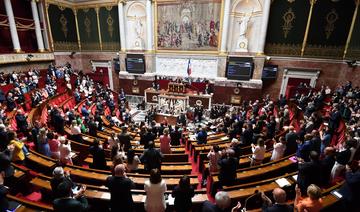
[(188, 25)]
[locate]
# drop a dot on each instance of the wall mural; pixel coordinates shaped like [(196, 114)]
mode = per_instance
[(188, 25)]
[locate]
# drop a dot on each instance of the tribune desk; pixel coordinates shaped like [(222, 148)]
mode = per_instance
[(152, 96)]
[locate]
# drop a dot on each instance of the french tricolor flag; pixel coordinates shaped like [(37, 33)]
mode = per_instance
[(189, 68)]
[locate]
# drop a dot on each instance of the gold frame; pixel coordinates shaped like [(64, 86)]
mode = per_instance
[(348, 40), (155, 36), (312, 3)]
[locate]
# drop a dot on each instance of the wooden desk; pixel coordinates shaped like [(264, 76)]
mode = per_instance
[(151, 96)]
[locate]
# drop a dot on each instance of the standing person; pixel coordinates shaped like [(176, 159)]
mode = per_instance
[(43, 144), (258, 152), (155, 189), (4, 204), (125, 139), (175, 136), (201, 137), (342, 158), (279, 149), (132, 161), (65, 151), (98, 153), (54, 145), (183, 193), (351, 188), (309, 172), (120, 189), (18, 155), (214, 156), (76, 132), (291, 144), (165, 142), (228, 165), (151, 158)]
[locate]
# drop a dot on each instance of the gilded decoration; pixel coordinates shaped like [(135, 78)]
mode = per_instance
[(62, 8), (87, 24), (291, 1), (324, 51), (288, 18), (331, 18), (283, 49), (110, 21), (64, 22), (65, 46)]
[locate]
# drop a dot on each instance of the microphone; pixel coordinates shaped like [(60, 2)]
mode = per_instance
[(246, 200)]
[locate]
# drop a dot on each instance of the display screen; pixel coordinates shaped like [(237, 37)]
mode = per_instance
[(239, 68), (135, 63), (269, 72)]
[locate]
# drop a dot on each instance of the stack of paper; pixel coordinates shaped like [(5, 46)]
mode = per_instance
[(282, 182)]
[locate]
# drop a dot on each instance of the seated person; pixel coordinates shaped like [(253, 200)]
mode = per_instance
[(222, 203), (59, 176), (279, 195), (69, 202), (311, 203)]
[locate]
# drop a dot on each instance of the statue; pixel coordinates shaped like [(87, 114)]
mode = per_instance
[(138, 27), (139, 42), (244, 25), (242, 42)]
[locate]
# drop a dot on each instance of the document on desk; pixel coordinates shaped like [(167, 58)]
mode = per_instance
[(282, 182)]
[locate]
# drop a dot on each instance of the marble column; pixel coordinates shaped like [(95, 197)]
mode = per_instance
[(264, 25), (149, 29), (12, 26), (39, 39), (225, 26), (45, 26), (122, 25), (259, 62)]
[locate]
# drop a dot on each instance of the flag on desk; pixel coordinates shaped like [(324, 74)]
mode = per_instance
[(189, 68)]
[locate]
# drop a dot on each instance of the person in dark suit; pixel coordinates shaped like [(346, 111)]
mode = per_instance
[(98, 153), (4, 139), (151, 158), (183, 194), (228, 165), (120, 190), (92, 127), (21, 122), (10, 100), (59, 176), (247, 135), (280, 205), (201, 137), (334, 120), (125, 139), (175, 136), (148, 137), (327, 164), (59, 123), (351, 189), (222, 203), (68, 202), (291, 145), (309, 172)]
